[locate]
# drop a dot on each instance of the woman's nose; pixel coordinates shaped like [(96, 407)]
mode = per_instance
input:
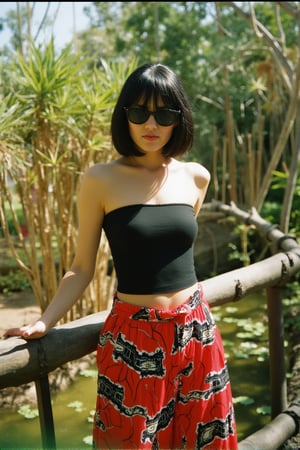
[(151, 121)]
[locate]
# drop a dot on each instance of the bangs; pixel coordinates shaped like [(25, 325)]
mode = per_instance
[(153, 85), (151, 94)]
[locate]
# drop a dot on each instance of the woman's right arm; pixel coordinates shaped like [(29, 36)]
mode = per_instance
[(77, 278)]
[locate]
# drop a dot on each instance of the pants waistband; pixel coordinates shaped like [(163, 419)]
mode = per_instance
[(136, 312)]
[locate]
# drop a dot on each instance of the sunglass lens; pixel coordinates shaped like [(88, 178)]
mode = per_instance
[(137, 115), (166, 117)]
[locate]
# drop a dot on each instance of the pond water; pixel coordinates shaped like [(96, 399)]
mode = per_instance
[(244, 330)]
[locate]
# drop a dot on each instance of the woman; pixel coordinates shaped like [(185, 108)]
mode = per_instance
[(163, 381)]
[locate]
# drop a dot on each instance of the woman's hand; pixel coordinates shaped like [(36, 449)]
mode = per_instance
[(34, 331)]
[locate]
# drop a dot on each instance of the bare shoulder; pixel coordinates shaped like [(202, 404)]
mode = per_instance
[(199, 173), (98, 174), (93, 180), (97, 184), (99, 170), (200, 178)]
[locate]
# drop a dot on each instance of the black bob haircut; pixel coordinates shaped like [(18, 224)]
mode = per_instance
[(147, 82)]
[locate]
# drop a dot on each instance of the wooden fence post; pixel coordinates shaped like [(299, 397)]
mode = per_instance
[(276, 351), (45, 412)]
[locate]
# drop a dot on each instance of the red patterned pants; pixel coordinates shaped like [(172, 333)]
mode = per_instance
[(163, 381)]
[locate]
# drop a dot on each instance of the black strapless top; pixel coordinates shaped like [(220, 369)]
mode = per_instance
[(152, 247)]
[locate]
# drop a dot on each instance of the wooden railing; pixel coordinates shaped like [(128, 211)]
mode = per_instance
[(24, 361)]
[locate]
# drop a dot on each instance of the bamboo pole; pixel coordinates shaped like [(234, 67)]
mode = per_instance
[(251, 169), (231, 155), (260, 151), (224, 169), (215, 180)]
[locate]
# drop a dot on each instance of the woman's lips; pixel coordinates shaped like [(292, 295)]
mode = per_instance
[(150, 137)]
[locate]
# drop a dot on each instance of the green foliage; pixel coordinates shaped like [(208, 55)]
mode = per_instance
[(10, 221), (266, 12), (58, 96), (291, 307), (236, 254), (271, 211), (48, 92), (58, 109), (55, 108), (246, 248), (14, 281), (272, 207), (214, 49)]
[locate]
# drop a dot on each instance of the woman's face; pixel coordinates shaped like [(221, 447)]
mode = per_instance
[(150, 136)]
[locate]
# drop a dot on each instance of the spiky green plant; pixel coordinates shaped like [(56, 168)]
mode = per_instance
[(55, 123)]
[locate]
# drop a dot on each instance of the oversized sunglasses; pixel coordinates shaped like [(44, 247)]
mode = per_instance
[(163, 116)]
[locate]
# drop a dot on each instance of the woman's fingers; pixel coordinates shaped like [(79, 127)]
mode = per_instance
[(34, 331)]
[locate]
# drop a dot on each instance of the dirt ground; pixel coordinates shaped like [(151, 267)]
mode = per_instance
[(17, 309)]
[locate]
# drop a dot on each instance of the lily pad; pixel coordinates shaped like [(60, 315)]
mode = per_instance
[(243, 400)]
